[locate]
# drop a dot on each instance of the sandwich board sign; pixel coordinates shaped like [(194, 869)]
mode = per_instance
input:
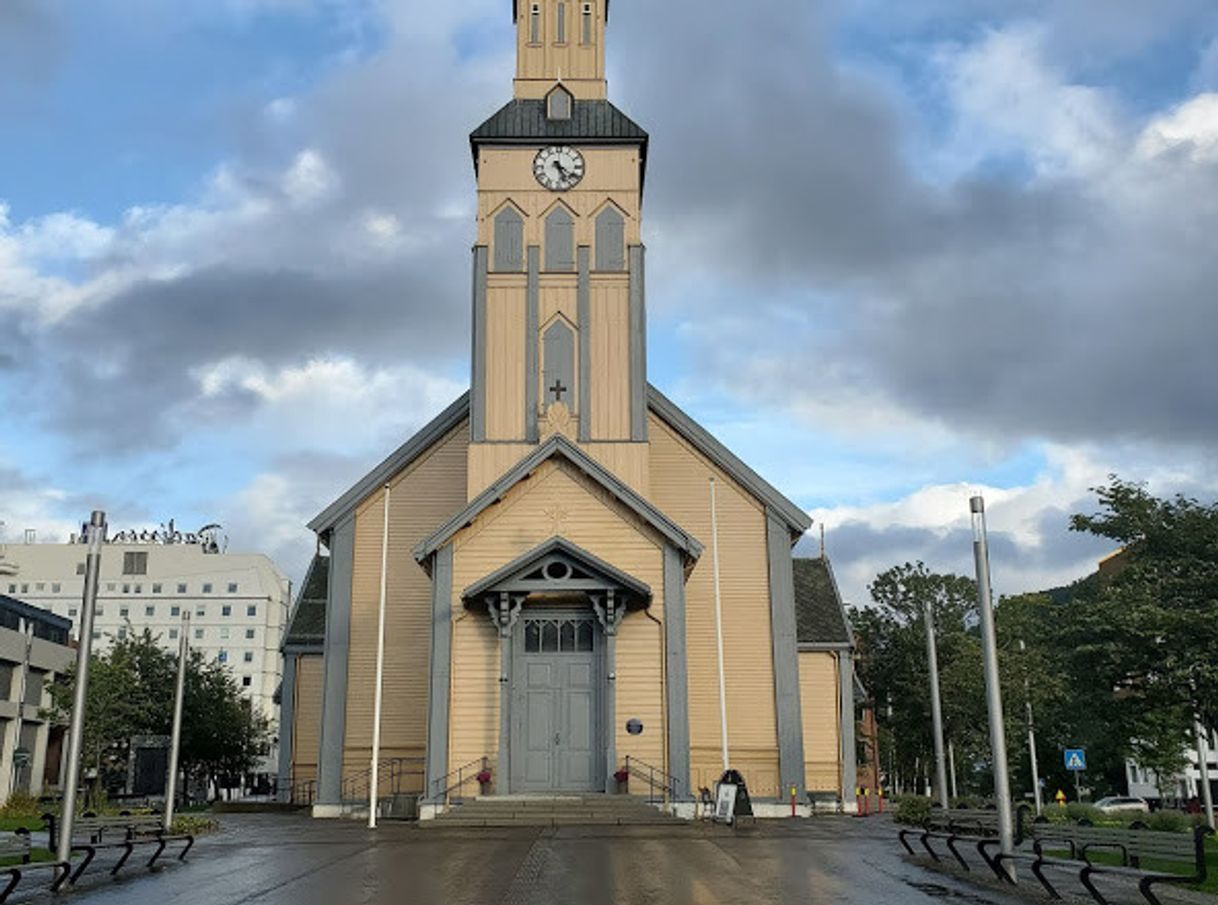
[(725, 802), (1076, 760)]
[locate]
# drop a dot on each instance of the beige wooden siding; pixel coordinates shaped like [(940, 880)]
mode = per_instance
[(556, 500), (505, 318), (610, 358), (306, 718), (680, 487), (580, 66), (422, 497), (818, 695), (629, 462)]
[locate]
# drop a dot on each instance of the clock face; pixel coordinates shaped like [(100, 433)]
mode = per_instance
[(559, 168)]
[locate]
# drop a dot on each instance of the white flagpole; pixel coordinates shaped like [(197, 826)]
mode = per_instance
[(374, 777), (719, 625)]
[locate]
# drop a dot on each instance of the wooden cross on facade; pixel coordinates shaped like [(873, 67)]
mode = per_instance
[(558, 389)]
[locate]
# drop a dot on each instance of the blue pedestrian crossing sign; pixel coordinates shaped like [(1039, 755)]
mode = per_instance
[(1076, 760)]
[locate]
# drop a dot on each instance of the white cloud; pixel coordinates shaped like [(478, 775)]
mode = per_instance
[(1191, 129), (1010, 98), (326, 404), (310, 179)]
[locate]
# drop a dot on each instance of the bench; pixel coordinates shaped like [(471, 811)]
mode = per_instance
[(829, 802), (1133, 845), (976, 826), (127, 831), (17, 845)]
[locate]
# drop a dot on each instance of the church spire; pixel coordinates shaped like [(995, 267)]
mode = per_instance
[(560, 40)]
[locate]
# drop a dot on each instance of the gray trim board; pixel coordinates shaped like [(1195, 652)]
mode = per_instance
[(676, 673), (306, 649), (607, 575), (638, 345), (657, 402), (441, 425), (558, 445), (532, 309), (441, 668), (705, 443), (786, 657), (822, 647), (584, 313), (287, 718), (849, 755), (334, 664), (478, 351)]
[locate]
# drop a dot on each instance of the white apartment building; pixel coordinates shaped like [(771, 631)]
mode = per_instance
[(238, 602), (1185, 786)]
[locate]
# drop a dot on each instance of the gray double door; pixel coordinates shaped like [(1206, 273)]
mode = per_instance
[(556, 730)]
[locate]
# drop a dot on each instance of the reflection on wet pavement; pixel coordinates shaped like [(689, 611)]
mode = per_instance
[(293, 860)]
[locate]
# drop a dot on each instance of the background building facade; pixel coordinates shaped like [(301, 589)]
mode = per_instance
[(238, 602)]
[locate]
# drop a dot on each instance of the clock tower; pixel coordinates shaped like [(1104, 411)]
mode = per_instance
[(559, 316)]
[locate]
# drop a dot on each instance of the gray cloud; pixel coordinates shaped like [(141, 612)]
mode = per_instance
[(1040, 309)]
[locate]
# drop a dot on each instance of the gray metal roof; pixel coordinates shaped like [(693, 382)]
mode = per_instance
[(820, 615), (307, 624), (591, 121), (558, 445)]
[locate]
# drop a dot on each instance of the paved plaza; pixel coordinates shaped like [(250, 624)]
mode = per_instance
[(292, 860)]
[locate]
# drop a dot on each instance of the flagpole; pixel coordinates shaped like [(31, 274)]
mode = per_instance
[(374, 776), (719, 626)]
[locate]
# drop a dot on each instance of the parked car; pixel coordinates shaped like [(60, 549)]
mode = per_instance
[(1118, 805)]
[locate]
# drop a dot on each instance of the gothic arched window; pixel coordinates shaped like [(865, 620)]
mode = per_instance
[(509, 241), (560, 240), (558, 367), (610, 240)]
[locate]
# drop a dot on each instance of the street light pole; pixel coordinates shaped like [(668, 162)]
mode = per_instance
[(175, 744), (993, 689), (1027, 696), (936, 706), (1203, 755), (96, 530)]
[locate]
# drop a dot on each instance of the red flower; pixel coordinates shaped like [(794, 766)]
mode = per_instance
[(484, 777), (621, 775)]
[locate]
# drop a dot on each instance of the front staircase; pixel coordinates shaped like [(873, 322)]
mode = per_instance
[(581, 810)]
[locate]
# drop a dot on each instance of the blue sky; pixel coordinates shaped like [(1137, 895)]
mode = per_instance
[(915, 253)]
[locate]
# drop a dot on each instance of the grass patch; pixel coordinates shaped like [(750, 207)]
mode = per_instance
[(10, 824), (1182, 868), (37, 856)]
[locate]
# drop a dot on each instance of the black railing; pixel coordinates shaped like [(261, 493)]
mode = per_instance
[(444, 787), (661, 787), (401, 774)]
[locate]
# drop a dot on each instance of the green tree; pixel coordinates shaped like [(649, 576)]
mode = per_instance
[(131, 691), (893, 666)]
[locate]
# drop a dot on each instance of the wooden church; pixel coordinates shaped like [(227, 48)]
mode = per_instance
[(575, 572)]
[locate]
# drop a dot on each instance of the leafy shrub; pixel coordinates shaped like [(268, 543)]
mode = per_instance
[(1168, 821), (21, 804), (194, 824), (1076, 812), (912, 809)]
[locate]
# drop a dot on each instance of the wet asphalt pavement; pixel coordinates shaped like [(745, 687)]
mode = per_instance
[(293, 860)]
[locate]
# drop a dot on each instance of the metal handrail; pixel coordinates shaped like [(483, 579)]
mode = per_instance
[(443, 789), (668, 784), (394, 770)]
